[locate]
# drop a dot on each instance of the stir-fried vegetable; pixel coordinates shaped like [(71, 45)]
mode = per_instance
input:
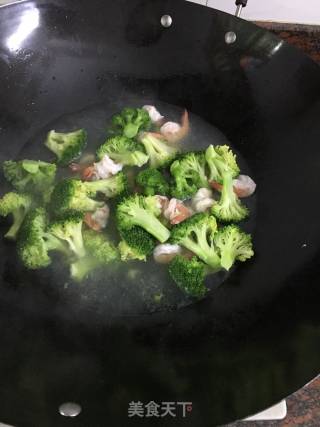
[(170, 212)]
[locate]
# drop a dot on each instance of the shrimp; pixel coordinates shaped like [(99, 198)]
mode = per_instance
[(243, 186), (98, 220), (106, 167), (154, 114), (202, 200), (89, 174), (176, 211), (165, 253), (100, 170), (174, 132)]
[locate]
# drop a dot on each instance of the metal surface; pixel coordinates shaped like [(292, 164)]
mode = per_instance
[(166, 21), (239, 10), (254, 340), (70, 409), (230, 37)]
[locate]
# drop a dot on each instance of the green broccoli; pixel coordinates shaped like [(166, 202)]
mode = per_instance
[(197, 234), (139, 242), (189, 275), (73, 194), (229, 207), (66, 146), (46, 195), (123, 150), (18, 205), (100, 252), (142, 211), (109, 187), (129, 253), (29, 175), (233, 244), (69, 229), (35, 242), (131, 121), (189, 175), (153, 182), (159, 151), (220, 159)]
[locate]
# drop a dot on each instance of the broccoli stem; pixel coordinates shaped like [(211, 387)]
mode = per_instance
[(76, 245), (18, 217), (82, 268), (203, 250), (227, 194), (55, 244), (151, 224), (227, 258)]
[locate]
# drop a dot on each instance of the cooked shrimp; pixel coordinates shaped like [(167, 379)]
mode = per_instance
[(101, 170), (203, 205), (154, 114), (165, 253), (97, 220), (202, 200), (174, 132), (243, 186), (85, 161), (176, 212), (164, 201), (89, 174), (107, 167)]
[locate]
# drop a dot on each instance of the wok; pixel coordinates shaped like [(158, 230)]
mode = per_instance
[(252, 341)]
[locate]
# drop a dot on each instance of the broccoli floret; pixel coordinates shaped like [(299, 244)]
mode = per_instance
[(73, 194), (142, 211), (100, 252), (189, 275), (100, 247), (131, 121), (66, 146), (129, 253), (220, 159), (229, 207), (189, 175), (69, 230), (18, 206), (46, 195), (110, 187), (138, 240), (29, 175), (35, 242), (197, 234), (233, 244), (153, 182), (159, 151), (123, 150)]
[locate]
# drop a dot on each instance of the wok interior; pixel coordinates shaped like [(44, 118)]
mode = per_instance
[(120, 289)]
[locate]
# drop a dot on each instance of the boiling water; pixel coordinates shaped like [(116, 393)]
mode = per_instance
[(127, 288)]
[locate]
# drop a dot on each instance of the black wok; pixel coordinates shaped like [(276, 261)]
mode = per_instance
[(255, 339)]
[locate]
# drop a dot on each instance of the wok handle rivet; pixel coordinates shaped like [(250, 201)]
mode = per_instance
[(166, 21), (230, 37), (70, 409)]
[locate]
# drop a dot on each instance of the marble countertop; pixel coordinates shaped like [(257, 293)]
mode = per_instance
[(303, 410)]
